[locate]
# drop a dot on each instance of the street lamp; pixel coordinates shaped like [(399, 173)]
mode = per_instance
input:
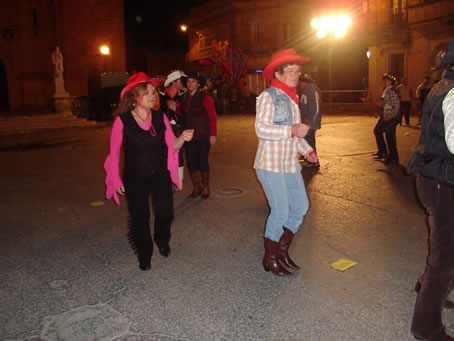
[(105, 51), (183, 28), (333, 26)]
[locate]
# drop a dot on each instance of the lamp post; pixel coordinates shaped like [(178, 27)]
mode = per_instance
[(105, 51), (333, 26)]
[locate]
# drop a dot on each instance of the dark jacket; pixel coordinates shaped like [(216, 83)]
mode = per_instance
[(195, 116), (310, 106), (432, 158), (174, 118)]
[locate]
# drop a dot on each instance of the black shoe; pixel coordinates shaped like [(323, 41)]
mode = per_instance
[(164, 250), (381, 156), (144, 262)]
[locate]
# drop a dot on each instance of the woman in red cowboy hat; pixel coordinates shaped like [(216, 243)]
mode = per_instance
[(151, 163), (280, 132)]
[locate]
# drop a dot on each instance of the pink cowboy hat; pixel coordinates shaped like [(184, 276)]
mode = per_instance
[(134, 80), (282, 57)]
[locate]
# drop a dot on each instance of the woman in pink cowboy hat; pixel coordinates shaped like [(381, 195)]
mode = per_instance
[(280, 132), (151, 164)]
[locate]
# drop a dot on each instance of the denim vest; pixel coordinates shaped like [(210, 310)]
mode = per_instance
[(283, 115)]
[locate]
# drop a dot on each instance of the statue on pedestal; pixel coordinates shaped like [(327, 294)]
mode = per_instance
[(62, 100), (57, 59)]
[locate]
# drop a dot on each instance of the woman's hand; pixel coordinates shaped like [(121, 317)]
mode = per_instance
[(188, 134), (300, 129), (311, 157), (121, 190), (212, 140), (185, 136)]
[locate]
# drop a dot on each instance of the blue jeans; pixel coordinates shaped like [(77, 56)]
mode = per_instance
[(287, 199)]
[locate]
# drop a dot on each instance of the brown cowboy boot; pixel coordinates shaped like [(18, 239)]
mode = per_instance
[(205, 184), (197, 182), (284, 244), (271, 259)]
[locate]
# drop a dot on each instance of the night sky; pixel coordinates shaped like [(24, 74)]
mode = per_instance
[(155, 24)]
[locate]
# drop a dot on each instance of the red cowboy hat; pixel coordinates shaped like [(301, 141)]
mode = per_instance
[(282, 57), (133, 81)]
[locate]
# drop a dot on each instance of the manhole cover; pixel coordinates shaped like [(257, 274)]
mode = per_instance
[(231, 191)]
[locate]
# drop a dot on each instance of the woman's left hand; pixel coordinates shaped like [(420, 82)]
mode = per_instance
[(188, 134), (212, 140), (311, 157)]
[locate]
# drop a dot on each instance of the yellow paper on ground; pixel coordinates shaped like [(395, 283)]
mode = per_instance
[(97, 203), (343, 264)]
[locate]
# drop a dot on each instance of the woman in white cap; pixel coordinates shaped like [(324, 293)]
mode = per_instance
[(280, 132), (150, 164), (170, 100)]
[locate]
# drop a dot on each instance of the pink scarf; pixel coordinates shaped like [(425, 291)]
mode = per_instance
[(291, 92)]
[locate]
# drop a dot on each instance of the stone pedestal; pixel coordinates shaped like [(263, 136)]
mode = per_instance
[(62, 105), (60, 88), (61, 99)]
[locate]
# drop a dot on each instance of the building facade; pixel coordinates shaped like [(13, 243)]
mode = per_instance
[(399, 36), (404, 37), (259, 28), (30, 32)]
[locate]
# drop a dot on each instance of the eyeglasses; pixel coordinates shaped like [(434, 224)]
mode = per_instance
[(293, 72)]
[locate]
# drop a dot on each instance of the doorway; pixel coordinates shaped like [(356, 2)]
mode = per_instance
[(397, 65), (4, 97)]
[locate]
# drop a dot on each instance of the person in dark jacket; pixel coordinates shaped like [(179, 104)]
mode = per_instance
[(433, 163), (150, 164), (310, 112), (199, 114), (170, 100)]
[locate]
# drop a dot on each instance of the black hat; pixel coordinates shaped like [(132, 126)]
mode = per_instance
[(445, 57), (197, 76)]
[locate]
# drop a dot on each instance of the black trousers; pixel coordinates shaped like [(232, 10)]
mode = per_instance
[(389, 129), (438, 279), (310, 138), (197, 153), (138, 197), (405, 112)]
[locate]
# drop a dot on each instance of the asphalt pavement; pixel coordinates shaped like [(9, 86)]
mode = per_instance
[(68, 273)]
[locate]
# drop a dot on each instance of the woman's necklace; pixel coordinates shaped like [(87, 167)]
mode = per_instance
[(152, 130), (136, 113)]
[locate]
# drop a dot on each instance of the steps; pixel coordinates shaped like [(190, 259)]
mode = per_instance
[(10, 125)]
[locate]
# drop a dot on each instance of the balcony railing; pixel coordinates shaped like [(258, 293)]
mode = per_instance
[(431, 11)]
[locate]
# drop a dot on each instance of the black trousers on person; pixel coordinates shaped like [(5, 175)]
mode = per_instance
[(405, 112), (438, 279), (310, 138), (197, 153), (389, 129), (138, 197)]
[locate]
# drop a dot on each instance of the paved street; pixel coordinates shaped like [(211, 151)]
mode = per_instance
[(68, 273)]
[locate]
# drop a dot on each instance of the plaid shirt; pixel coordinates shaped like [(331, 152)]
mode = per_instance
[(391, 102), (277, 150), (448, 112)]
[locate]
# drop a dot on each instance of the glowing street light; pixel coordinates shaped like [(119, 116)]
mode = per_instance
[(183, 28), (331, 26), (105, 51)]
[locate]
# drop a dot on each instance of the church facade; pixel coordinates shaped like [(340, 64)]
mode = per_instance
[(30, 32)]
